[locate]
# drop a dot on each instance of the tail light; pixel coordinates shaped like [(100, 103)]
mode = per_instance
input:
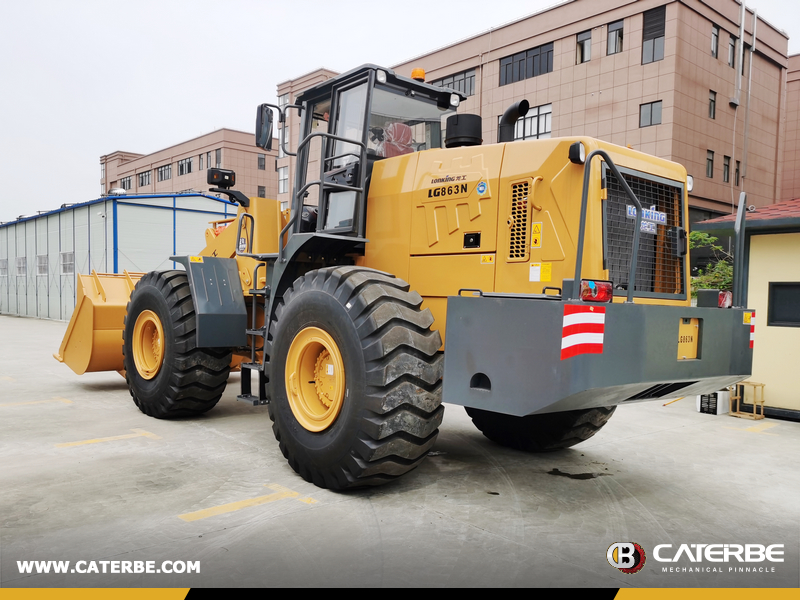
[(725, 299), (596, 291)]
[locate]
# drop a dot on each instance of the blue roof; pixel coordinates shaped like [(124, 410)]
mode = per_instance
[(128, 197)]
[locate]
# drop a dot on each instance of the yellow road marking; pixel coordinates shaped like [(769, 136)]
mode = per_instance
[(4, 378), (280, 493), (760, 428), (127, 436), (54, 399), (307, 500)]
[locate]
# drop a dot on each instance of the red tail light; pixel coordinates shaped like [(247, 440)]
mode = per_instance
[(596, 291), (725, 299)]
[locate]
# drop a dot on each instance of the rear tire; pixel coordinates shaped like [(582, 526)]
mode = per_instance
[(541, 433), (356, 378), (167, 374)]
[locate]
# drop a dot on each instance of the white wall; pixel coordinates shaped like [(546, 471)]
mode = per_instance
[(149, 231)]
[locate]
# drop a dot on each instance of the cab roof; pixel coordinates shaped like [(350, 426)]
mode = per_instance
[(392, 78)]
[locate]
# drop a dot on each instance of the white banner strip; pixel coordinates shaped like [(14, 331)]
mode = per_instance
[(581, 318), (581, 338)]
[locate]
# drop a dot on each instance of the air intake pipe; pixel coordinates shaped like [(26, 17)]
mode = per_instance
[(509, 119)]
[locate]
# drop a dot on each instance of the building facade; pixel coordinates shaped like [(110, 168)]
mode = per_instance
[(42, 255), (790, 189), (184, 166), (653, 75)]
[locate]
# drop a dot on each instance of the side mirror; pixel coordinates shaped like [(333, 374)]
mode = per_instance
[(264, 127)]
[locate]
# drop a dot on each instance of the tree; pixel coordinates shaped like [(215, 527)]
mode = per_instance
[(718, 274)]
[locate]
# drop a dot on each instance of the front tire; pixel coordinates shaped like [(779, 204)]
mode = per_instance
[(167, 374), (541, 433), (356, 378)]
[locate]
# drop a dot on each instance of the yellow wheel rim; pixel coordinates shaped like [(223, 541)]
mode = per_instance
[(315, 379), (148, 344)]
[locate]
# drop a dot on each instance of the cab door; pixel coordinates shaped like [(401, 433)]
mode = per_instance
[(341, 205)]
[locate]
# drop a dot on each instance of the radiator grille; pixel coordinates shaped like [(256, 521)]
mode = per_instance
[(518, 236), (658, 271)]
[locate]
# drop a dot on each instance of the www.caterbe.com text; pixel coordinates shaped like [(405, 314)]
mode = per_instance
[(107, 566)]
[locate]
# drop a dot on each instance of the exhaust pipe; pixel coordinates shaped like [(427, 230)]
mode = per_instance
[(509, 119)]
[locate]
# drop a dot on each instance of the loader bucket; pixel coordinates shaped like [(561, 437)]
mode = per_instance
[(93, 341)]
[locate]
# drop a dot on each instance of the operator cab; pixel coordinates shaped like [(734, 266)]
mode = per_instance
[(348, 123)]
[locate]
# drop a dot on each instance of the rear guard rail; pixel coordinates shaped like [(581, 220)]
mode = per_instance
[(93, 340)]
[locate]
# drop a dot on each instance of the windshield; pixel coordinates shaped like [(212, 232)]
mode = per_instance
[(401, 123)]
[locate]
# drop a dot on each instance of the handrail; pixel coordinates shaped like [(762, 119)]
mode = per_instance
[(296, 203), (239, 232), (576, 283)]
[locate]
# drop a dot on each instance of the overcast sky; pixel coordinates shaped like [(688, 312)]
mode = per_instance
[(85, 78)]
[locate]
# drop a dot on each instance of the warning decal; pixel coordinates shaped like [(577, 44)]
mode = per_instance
[(536, 235), (583, 330), (196, 259), (487, 259), (540, 272)]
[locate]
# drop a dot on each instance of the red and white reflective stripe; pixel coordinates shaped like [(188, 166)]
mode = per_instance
[(752, 327), (583, 330)]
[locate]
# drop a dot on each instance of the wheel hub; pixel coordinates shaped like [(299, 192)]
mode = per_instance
[(315, 379), (148, 344)]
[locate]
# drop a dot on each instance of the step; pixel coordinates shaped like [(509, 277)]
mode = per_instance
[(251, 399)]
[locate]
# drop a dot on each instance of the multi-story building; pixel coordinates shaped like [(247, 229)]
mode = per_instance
[(660, 76), (183, 166), (790, 188)]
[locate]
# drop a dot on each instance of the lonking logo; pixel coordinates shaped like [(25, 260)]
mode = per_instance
[(628, 557)]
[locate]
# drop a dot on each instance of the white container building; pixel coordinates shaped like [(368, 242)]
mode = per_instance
[(41, 255)]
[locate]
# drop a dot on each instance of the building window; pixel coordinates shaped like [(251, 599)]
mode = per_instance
[(614, 37), (463, 82), (732, 52), (200, 163), (714, 41), (184, 166), (712, 104), (653, 35), (783, 307), (583, 51), (524, 65), (726, 169), (125, 183), (736, 175), (208, 159), (262, 191), (41, 265), (218, 157), (262, 164), (144, 178), (283, 180), (710, 164), (3, 267), (102, 171), (650, 114), (165, 172), (283, 101), (67, 263), (22, 266), (537, 124)]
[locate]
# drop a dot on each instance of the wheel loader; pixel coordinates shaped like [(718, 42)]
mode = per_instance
[(540, 284)]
